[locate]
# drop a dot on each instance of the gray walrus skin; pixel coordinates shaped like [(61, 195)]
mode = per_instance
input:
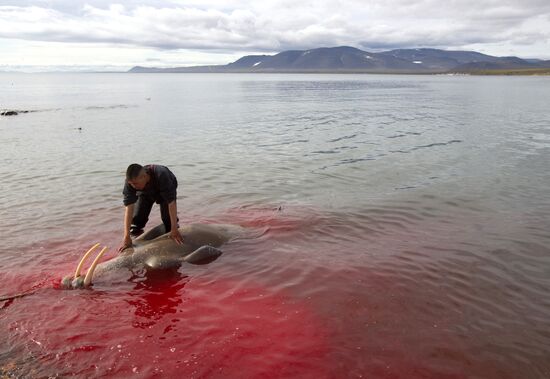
[(156, 250)]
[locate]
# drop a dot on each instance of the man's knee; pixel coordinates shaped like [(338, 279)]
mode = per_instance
[(136, 230)]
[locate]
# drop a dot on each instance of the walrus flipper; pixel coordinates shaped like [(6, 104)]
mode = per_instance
[(151, 234), (156, 262), (203, 255)]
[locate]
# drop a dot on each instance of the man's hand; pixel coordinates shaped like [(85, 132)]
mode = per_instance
[(174, 233), (125, 244), (176, 236)]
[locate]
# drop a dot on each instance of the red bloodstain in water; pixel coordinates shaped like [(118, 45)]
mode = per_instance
[(274, 219), (168, 325)]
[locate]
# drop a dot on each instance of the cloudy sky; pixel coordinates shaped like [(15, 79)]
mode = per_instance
[(115, 35)]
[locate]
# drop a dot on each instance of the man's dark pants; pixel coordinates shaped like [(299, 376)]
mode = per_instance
[(142, 211)]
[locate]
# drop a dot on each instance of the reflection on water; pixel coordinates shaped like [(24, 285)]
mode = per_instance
[(399, 226), (155, 294)]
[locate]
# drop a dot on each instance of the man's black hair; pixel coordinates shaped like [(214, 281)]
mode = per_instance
[(133, 171)]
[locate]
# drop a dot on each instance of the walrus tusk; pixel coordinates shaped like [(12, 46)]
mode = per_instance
[(90, 273), (79, 267)]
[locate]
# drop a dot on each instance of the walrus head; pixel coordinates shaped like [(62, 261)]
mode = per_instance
[(81, 281)]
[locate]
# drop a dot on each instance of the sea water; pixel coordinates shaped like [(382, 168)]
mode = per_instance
[(402, 223)]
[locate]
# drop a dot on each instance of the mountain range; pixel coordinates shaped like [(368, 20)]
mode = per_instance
[(350, 59)]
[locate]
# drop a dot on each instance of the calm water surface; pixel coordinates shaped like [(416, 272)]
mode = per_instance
[(403, 226)]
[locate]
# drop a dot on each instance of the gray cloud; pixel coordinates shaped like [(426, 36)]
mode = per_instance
[(272, 26)]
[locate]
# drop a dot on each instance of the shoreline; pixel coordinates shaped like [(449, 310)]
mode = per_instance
[(499, 72)]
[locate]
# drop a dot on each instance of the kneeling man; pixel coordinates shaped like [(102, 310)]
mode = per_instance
[(145, 185)]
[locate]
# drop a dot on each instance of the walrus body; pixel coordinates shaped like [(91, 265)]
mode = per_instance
[(156, 250)]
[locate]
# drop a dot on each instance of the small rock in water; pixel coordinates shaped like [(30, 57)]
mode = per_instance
[(9, 113)]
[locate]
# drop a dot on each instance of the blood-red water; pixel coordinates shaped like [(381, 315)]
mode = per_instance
[(308, 295), (173, 327), (158, 324)]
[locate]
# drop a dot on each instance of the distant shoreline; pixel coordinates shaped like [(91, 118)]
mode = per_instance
[(513, 72), (516, 72), (499, 72)]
